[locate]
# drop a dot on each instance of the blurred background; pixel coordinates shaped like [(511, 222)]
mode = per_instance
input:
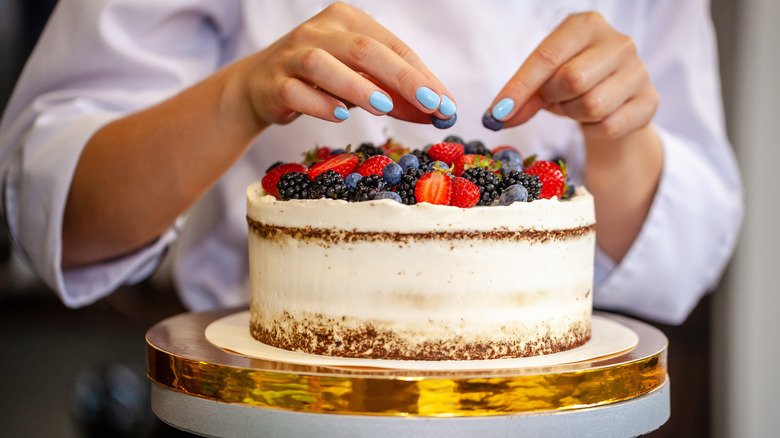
[(81, 373)]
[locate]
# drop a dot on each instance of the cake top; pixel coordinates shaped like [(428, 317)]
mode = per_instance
[(450, 173)]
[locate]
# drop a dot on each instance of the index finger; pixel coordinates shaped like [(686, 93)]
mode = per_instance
[(564, 43)]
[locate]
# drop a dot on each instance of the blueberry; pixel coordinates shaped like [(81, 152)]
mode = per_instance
[(491, 123), (508, 156), (337, 151), (392, 173), (453, 139), (409, 161), (389, 195), (474, 147), (444, 123), (515, 193), (438, 165), (509, 166), (351, 180)]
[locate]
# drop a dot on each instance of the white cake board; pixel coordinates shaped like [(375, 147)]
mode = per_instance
[(608, 338)]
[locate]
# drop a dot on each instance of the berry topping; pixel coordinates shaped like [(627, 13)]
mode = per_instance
[(405, 188), (316, 154), (374, 165), (369, 149), (368, 187), (392, 173), (389, 195), (275, 172), (351, 180), (508, 156), (515, 193), (446, 152), (409, 161), (476, 147), (328, 184), (452, 138), (469, 161), (531, 183), (293, 185), (488, 183), (465, 193), (343, 164), (551, 176), (435, 188)]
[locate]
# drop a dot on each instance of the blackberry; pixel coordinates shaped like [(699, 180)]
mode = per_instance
[(476, 147), (369, 149), (293, 185), (368, 187), (328, 184), (405, 188), (422, 157), (488, 183), (530, 182)]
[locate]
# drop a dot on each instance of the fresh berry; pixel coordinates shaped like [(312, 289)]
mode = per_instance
[(515, 193), (531, 183), (394, 149), (452, 138), (274, 166), (389, 195), (343, 164), (476, 147), (405, 188), (392, 173), (446, 152), (328, 184), (465, 193), (498, 149), (488, 183), (434, 188), (275, 172), (422, 157), (551, 176), (374, 165), (293, 185), (569, 192), (408, 161), (351, 180), (369, 149), (489, 122), (469, 161), (316, 154), (508, 156), (510, 167), (368, 187), (444, 123), (337, 151)]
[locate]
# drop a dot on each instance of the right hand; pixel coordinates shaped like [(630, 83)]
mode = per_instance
[(338, 58)]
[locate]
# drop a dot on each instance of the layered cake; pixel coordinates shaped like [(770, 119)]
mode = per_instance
[(395, 277)]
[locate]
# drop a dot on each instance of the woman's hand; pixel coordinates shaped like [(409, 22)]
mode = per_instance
[(584, 70), (340, 58)]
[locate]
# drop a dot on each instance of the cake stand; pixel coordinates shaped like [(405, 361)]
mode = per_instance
[(203, 389)]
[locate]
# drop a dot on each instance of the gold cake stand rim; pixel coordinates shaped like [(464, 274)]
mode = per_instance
[(180, 358)]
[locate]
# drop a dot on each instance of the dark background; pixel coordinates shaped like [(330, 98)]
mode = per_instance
[(58, 362)]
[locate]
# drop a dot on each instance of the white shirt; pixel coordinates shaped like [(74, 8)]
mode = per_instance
[(99, 60)]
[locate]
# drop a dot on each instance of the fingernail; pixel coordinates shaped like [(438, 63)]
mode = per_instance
[(428, 98), (502, 108), (381, 102), (341, 113), (447, 107)]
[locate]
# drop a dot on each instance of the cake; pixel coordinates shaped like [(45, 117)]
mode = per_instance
[(383, 280)]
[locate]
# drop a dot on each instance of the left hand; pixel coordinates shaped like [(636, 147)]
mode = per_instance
[(587, 71)]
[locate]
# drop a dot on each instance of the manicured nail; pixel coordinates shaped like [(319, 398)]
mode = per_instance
[(428, 98), (341, 113), (502, 108), (381, 102), (447, 107)]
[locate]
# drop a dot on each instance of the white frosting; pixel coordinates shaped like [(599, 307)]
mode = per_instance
[(426, 288)]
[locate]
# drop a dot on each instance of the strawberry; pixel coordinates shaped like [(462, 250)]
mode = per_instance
[(272, 176), (374, 165), (471, 160), (446, 152), (465, 193), (434, 188), (552, 177), (317, 154), (394, 149), (343, 164)]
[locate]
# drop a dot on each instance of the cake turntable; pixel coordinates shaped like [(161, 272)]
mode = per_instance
[(213, 391)]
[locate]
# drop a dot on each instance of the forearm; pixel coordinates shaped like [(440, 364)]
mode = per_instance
[(623, 176), (137, 174)]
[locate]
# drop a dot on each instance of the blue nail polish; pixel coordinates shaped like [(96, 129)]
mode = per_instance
[(341, 113), (447, 107), (502, 108), (428, 98), (381, 102)]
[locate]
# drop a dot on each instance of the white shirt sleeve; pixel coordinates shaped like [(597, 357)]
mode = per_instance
[(110, 58), (692, 227)]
